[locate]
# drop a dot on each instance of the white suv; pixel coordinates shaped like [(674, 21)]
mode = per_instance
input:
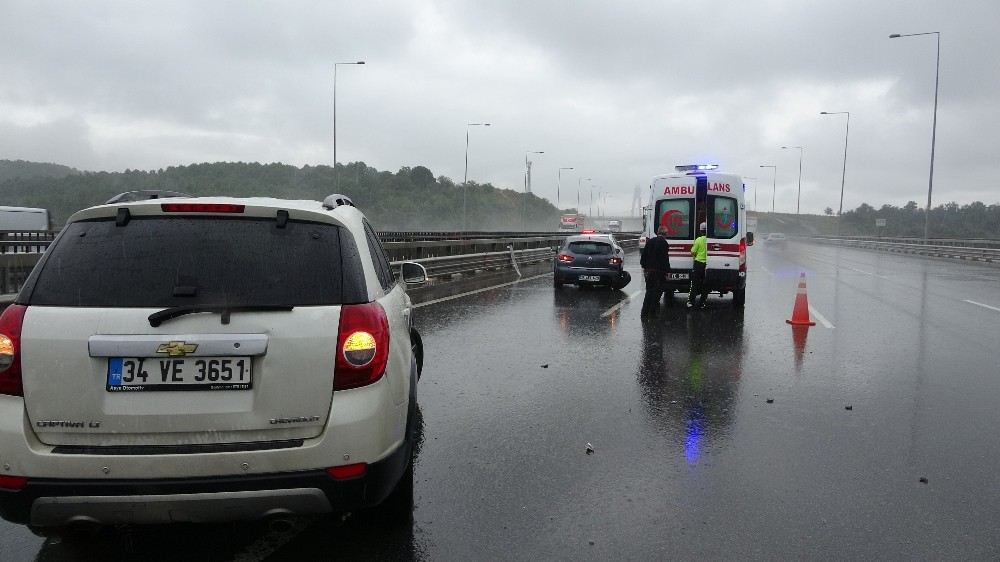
[(206, 359)]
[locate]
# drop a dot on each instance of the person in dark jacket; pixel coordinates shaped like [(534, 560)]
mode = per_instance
[(655, 262)]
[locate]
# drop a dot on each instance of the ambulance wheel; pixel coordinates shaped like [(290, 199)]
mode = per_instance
[(739, 297)]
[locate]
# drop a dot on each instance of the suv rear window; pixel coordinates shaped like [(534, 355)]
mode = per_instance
[(589, 248), (176, 261)]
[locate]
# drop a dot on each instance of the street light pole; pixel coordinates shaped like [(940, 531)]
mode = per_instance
[(465, 178), (774, 183), (559, 185), (578, 181), (335, 65), (527, 186), (798, 198), (937, 76), (843, 172)]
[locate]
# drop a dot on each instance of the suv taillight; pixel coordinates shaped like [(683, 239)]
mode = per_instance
[(743, 254), (362, 345), (10, 350)]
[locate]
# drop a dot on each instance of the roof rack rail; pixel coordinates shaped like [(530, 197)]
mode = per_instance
[(143, 195), (337, 200)]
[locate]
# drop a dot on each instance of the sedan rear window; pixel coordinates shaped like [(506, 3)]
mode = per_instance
[(177, 261), (589, 248)]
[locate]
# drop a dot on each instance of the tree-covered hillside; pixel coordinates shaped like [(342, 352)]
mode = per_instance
[(11, 169), (410, 199)]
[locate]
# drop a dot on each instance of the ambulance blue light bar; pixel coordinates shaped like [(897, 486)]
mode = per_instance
[(696, 167)]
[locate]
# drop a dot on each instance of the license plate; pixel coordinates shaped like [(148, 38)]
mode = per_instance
[(138, 374), (682, 276), (593, 278)]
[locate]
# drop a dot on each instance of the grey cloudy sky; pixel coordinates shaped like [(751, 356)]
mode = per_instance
[(619, 90)]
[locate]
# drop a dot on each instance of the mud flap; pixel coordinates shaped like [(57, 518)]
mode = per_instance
[(622, 281)]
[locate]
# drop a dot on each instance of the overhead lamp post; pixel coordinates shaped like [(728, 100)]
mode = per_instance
[(559, 185), (578, 181), (527, 186), (465, 178), (798, 198), (527, 169), (843, 172), (937, 76), (335, 65), (774, 182)]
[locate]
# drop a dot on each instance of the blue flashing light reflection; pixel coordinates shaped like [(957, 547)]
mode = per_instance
[(692, 441)]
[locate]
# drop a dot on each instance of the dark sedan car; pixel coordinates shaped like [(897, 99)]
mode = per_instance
[(590, 259)]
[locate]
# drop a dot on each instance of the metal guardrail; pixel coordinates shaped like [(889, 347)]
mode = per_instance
[(464, 264), (938, 250)]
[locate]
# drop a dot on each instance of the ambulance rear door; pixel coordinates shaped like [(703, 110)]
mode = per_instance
[(723, 206), (674, 208)]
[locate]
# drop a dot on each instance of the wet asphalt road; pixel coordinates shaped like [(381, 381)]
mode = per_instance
[(691, 461)]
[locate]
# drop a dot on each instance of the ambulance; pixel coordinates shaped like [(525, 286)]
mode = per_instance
[(679, 202)]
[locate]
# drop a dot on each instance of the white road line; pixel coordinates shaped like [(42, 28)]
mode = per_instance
[(983, 305), (622, 303), (477, 291), (765, 270), (865, 272), (822, 319)]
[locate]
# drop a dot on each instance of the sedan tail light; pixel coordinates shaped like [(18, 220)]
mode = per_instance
[(615, 261), (362, 345), (565, 258), (10, 350)]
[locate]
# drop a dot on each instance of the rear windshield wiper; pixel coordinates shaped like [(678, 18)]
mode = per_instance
[(157, 318)]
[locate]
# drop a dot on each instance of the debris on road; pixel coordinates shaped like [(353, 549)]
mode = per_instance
[(923, 479), (590, 449), (770, 400), (848, 407), (545, 366)]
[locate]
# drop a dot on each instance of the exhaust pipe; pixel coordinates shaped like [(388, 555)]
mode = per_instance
[(280, 523)]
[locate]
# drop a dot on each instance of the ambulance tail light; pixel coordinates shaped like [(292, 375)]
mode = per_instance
[(743, 254)]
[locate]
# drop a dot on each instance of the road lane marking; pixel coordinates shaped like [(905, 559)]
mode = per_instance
[(622, 303), (983, 305), (865, 272), (477, 291), (764, 269), (822, 319)]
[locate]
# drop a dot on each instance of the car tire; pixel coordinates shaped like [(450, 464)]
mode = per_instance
[(739, 297), (668, 297), (417, 348), (398, 505)]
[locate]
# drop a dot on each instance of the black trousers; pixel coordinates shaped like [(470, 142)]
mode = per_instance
[(655, 285), (698, 286)]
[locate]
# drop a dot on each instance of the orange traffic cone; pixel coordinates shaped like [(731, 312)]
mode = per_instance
[(800, 313)]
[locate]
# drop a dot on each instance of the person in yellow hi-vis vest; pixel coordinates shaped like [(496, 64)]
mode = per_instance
[(699, 250)]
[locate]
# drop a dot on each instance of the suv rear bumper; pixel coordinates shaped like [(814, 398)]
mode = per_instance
[(56, 502)]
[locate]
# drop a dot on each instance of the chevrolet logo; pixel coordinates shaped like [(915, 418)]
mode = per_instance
[(177, 348)]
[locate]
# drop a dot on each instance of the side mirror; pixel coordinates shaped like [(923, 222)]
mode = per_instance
[(413, 273), (749, 238)]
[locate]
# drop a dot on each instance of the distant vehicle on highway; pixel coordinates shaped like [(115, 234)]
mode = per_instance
[(615, 226), (571, 222), (226, 359), (23, 219), (590, 260), (698, 193)]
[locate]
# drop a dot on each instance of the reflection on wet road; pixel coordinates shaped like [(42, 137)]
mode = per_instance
[(717, 433)]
